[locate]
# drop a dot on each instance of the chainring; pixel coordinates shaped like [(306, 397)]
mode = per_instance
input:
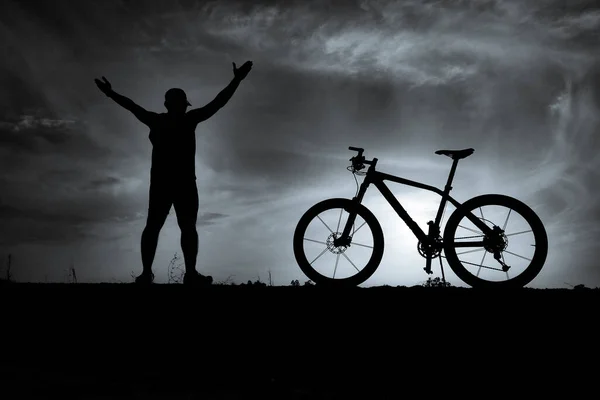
[(435, 250)]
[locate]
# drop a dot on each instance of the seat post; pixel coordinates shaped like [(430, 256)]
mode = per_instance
[(451, 176)]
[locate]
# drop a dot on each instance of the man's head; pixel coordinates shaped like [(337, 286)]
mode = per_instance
[(176, 101)]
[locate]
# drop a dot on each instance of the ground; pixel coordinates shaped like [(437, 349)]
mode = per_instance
[(168, 341)]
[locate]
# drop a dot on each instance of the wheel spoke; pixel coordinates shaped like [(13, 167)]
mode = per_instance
[(506, 222), (481, 263), (325, 224), (519, 233), (350, 261), (323, 252), (472, 230), (363, 245), (361, 225), (470, 251), (337, 260), (316, 241), (481, 212), (516, 255), (339, 220)]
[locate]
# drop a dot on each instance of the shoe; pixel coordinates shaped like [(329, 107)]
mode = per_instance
[(145, 278), (195, 278)]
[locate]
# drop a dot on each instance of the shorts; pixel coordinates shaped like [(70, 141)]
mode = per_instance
[(182, 195)]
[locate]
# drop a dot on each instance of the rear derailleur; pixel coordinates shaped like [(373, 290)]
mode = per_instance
[(497, 244)]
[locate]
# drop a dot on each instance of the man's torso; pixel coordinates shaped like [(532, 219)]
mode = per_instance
[(173, 148)]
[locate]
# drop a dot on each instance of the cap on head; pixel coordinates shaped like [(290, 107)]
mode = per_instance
[(176, 95)]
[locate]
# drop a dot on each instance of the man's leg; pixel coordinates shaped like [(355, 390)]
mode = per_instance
[(158, 210), (186, 209)]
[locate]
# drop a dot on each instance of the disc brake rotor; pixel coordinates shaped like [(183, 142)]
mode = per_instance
[(332, 247)]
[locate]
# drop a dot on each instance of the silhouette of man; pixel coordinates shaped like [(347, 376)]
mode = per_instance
[(172, 175)]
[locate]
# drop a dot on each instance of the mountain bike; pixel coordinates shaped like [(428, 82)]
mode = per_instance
[(472, 233)]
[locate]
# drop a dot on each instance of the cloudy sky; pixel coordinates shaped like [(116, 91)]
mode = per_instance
[(518, 83)]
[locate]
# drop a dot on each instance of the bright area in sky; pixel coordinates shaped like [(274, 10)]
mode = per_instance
[(517, 82)]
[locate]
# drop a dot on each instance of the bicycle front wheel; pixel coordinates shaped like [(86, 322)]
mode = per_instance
[(339, 266), (519, 239)]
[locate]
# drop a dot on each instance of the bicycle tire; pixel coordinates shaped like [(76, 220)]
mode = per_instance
[(312, 213), (526, 212)]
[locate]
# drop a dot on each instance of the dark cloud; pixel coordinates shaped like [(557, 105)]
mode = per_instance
[(8, 211), (208, 218), (60, 219), (24, 225), (102, 182), (33, 135)]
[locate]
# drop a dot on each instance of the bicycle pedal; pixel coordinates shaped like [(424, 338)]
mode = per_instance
[(428, 270)]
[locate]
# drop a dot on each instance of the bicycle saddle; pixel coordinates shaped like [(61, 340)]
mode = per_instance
[(456, 154)]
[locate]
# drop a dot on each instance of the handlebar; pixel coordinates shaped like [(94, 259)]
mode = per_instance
[(359, 161)]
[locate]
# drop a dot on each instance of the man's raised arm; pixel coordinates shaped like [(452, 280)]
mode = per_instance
[(204, 113), (143, 115)]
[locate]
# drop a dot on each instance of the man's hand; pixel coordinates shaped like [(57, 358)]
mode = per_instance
[(242, 71), (105, 86)]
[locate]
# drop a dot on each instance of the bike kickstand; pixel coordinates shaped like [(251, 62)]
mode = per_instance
[(442, 269)]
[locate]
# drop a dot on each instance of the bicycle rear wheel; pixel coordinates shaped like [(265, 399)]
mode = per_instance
[(521, 241), (339, 266)]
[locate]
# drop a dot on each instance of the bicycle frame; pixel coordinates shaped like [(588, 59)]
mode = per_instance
[(377, 178)]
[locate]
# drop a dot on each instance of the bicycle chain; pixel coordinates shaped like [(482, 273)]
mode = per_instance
[(469, 237), (481, 266)]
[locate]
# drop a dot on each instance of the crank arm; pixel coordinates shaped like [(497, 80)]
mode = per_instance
[(428, 266)]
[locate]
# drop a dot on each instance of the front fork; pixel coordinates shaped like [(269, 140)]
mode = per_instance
[(345, 238)]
